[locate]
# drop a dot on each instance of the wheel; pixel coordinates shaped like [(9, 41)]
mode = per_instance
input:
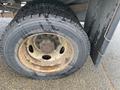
[(45, 41)]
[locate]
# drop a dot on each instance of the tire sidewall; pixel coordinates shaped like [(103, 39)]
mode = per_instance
[(33, 26)]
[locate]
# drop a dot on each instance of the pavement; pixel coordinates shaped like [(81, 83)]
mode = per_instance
[(105, 76)]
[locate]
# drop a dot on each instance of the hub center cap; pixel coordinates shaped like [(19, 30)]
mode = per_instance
[(47, 46)]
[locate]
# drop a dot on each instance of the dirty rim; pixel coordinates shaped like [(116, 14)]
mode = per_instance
[(46, 52)]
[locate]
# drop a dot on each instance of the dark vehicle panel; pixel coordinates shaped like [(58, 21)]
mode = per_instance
[(101, 21)]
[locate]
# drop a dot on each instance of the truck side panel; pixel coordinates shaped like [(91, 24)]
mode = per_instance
[(101, 21)]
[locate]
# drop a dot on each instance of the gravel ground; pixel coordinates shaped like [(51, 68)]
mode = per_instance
[(104, 77)]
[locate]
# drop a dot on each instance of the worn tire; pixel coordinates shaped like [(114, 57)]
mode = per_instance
[(39, 14)]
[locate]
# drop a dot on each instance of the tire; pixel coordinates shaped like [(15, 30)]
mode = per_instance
[(41, 17)]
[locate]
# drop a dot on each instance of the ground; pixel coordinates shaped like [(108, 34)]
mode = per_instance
[(105, 76)]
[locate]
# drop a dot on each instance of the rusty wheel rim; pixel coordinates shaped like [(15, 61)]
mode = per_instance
[(46, 52)]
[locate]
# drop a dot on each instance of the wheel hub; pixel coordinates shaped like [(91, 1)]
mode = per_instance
[(47, 46)]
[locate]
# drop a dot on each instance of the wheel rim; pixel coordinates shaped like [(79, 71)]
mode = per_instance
[(46, 52)]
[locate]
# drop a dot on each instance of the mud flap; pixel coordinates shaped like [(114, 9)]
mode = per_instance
[(101, 21)]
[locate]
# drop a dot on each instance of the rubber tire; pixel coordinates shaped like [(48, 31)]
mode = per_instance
[(44, 16)]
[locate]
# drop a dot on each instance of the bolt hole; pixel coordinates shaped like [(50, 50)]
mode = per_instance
[(46, 57), (62, 50), (31, 48)]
